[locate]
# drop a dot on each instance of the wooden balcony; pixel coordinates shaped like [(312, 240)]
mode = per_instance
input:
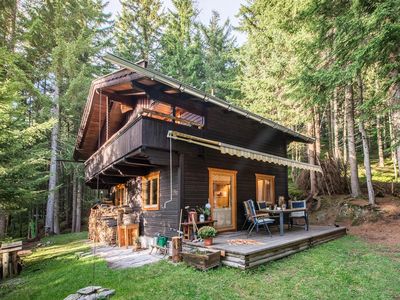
[(127, 153)]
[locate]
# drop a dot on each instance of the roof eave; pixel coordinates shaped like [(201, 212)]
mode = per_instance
[(203, 96)]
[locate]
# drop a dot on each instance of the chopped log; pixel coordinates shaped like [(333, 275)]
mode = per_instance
[(105, 218), (6, 260), (176, 249)]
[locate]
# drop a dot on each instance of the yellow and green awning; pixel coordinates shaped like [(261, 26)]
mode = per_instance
[(242, 152)]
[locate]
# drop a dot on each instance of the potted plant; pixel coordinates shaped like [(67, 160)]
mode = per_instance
[(206, 212), (207, 233)]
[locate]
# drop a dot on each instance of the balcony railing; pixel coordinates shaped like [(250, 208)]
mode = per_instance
[(143, 131)]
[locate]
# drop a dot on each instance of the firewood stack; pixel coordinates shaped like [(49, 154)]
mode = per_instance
[(104, 219)]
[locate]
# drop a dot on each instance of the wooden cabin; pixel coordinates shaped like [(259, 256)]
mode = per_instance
[(160, 145)]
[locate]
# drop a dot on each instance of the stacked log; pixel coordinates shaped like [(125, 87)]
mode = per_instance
[(333, 181), (105, 218)]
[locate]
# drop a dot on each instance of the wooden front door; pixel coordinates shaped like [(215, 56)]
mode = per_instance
[(222, 197)]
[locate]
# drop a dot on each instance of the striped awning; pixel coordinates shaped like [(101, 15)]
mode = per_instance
[(242, 152)]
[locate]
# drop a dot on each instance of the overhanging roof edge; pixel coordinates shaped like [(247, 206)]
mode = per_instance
[(204, 96)]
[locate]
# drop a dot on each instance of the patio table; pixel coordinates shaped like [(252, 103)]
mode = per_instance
[(281, 213)]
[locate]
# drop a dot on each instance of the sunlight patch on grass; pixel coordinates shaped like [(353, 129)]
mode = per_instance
[(379, 174)]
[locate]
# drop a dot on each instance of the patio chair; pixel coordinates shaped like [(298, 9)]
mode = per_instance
[(263, 206), (257, 220), (299, 214), (247, 221)]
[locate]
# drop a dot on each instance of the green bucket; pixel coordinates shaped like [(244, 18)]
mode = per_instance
[(162, 241)]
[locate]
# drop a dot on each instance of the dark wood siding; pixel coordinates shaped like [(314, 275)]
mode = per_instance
[(196, 178), (240, 131), (161, 221), (191, 162)]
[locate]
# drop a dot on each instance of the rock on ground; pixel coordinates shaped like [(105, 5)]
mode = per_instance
[(91, 293)]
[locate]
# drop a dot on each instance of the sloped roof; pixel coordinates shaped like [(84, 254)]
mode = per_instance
[(202, 96)]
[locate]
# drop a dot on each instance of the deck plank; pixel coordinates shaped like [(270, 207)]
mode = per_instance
[(269, 248)]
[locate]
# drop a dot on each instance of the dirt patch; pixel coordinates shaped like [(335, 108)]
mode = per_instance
[(386, 232), (379, 224)]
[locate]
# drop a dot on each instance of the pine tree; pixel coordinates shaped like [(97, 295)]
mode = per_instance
[(138, 29), (68, 66), (269, 60), (219, 48), (181, 54), (22, 172)]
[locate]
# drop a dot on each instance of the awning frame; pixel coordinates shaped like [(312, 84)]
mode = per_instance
[(242, 152)]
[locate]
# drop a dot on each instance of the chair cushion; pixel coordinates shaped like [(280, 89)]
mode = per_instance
[(298, 204), (265, 221)]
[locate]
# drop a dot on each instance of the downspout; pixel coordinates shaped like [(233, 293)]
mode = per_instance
[(170, 174)]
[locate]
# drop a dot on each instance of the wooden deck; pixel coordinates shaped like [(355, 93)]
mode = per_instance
[(264, 248)]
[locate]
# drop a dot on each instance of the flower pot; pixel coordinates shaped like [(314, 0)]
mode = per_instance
[(201, 218), (208, 241), (192, 216)]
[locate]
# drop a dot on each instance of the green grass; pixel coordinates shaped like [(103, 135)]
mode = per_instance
[(379, 174), (342, 269)]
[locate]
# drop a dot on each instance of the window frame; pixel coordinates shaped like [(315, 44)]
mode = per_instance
[(266, 177), (150, 178), (121, 195)]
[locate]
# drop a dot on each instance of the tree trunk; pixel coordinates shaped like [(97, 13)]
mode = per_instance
[(354, 182), (66, 198), (367, 163), (345, 149), (3, 224), (336, 149), (317, 130), (56, 225), (380, 143), (49, 225), (395, 104), (311, 158), (329, 128), (78, 206), (74, 197), (392, 146)]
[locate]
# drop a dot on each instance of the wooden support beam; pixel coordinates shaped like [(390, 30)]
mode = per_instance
[(110, 180), (135, 162), (130, 92), (123, 171), (156, 93), (123, 99)]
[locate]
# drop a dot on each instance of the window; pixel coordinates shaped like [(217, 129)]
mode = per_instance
[(265, 188), (169, 113), (151, 191), (120, 195)]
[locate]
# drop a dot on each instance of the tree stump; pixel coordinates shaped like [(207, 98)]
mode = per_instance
[(176, 249), (6, 258)]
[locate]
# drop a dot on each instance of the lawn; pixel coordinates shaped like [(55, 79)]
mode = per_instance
[(343, 269)]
